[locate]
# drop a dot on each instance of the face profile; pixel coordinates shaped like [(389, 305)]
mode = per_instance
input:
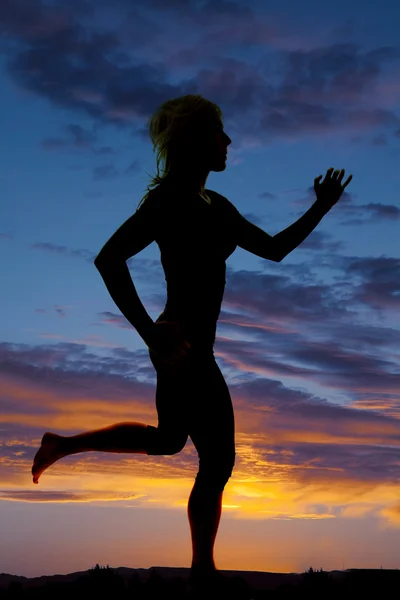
[(203, 150), (217, 149)]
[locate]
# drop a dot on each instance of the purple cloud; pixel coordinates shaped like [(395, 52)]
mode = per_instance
[(59, 57), (105, 172), (288, 426), (63, 250)]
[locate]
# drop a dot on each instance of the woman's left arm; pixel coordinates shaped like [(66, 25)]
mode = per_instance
[(276, 247), (328, 193)]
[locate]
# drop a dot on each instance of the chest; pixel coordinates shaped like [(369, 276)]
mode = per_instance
[(197, 229)]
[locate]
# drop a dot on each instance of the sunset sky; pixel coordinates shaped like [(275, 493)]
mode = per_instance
[(309, 347)]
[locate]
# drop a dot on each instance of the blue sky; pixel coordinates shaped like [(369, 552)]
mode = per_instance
[(309, 347)]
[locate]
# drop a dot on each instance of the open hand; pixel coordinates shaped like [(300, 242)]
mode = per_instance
[(329, 191)]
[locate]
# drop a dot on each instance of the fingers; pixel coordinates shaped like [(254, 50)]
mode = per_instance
[(337, 175), (340, 175), (347, 181), (328, 174), (173, 356), (172, 334)]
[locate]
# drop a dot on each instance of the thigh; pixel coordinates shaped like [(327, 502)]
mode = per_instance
[(211, 417), (195, 397), (173, 392)]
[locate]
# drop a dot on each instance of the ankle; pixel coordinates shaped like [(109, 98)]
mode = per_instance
[(203, 567), (65, 445)]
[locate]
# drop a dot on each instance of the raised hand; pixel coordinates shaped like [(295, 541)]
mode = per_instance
[(331, 188)]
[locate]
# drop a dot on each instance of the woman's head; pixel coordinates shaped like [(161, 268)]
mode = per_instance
[(188, 135)]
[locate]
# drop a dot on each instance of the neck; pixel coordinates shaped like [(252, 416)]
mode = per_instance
[(190, 181)]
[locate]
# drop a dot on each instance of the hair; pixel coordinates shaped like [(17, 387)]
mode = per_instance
[(173, 128)]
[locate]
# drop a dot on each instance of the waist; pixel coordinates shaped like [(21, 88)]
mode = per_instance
[(198, 329)]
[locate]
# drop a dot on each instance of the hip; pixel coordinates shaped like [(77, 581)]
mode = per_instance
[(198, 359), (198, 329)]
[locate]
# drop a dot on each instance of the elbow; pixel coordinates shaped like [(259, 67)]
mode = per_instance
[(98, 261), (104, 261), (278, 255), (276, 250)]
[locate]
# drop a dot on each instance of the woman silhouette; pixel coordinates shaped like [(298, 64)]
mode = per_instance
[(196, 230)]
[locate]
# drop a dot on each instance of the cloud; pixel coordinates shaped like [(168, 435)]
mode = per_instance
[(292, 445), (81, 137), (379, 140), (104, 150), (54, 143), (141, 265), (78, 138), (83, 369), (65, 497), (60, 310), (64, 251), (377, 210), (268, 195), (105, 172), (133, 167), (115, 319), (96, 73), (378, 286), (315, 389), (33, 20), (294, 292)]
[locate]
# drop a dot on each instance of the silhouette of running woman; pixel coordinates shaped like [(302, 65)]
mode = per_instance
[(196, 230)]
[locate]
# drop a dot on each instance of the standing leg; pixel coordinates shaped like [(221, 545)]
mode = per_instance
[(204, 513), (196, 399), (213, 434)]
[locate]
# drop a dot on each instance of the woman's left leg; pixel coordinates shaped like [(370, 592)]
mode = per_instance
[(212, 431)]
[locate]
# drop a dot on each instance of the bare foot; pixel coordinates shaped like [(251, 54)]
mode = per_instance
[(48, 453), (206, 581), (205, 569), (203, 572)]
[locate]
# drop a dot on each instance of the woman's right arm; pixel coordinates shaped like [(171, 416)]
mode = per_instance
[(133, 236), (121, 288)]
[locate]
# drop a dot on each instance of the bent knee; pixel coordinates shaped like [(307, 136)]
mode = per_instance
[(165, 443), (174, 446)]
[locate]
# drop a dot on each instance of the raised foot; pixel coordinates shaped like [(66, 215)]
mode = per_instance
[(48, 453)]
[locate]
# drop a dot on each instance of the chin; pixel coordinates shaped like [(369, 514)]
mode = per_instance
[(220, 166)]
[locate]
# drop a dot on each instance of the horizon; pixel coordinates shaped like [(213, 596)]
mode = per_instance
[(111, 567)]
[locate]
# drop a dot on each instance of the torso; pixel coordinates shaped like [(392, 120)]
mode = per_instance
[(195, 240)]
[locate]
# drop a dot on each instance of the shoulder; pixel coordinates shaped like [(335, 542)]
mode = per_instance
[(223, 202), (151, 202), (216, 197)]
